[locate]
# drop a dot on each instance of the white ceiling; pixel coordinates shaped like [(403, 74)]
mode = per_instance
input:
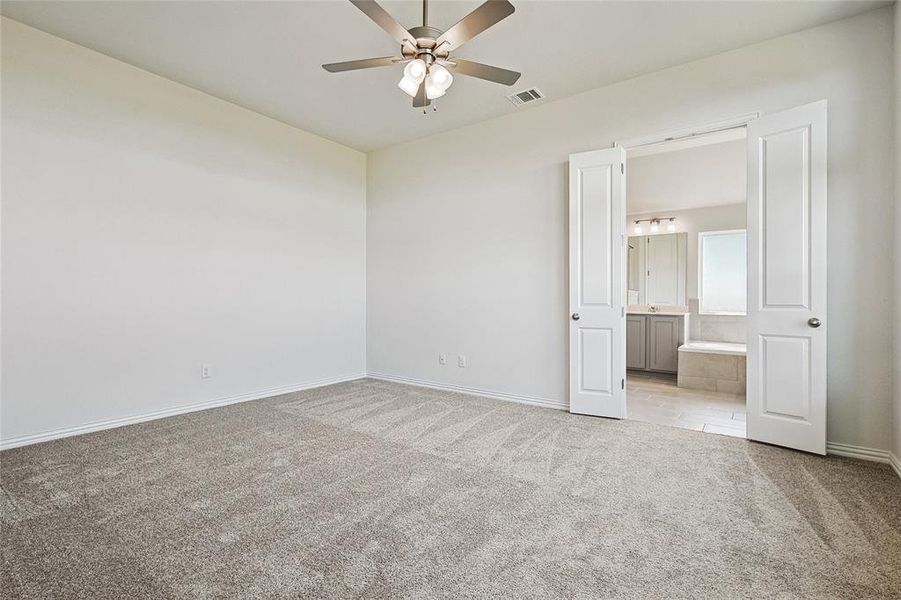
[(266, 56), (711, 174)]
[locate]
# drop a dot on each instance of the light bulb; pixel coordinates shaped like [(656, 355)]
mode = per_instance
[(414, 73), (415, 69), (440, 77), (655, 226), (637, 229), (432, 91), (437, 82), (409, 85), (671, 226)]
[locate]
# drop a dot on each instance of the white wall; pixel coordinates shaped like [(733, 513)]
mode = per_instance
[(711, 175), (467, 239), (148, 228)]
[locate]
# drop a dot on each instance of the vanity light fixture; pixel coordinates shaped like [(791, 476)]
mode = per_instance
[(655, 225)]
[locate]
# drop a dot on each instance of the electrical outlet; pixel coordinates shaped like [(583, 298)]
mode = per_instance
[(461, 361), (206, 371), (442, 359)]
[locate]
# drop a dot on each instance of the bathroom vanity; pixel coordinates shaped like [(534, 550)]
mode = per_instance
[(653, 340), (657, 319)]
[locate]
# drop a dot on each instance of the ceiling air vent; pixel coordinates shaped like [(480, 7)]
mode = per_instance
[(526, 96)]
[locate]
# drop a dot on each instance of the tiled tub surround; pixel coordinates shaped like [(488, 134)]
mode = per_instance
[(716, 328), (713, 366)]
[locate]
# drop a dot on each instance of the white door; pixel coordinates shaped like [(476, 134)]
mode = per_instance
[(597, 265), (787, 278)]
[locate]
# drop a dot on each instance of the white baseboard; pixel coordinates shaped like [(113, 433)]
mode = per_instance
[(871, 454), (534, 401), (46, 436)]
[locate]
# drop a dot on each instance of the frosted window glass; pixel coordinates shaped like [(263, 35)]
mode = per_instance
[(724, 265)]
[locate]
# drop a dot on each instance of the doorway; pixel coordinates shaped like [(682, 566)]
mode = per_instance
[(686, 283), (786, 278)]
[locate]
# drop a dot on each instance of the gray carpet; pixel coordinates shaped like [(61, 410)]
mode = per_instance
[(370, 489)]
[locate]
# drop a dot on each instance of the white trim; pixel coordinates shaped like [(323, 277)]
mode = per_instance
[(532, 400), (863, 453), (687, 132), (46, 436)]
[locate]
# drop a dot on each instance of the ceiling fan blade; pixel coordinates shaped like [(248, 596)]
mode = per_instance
[(421, 100), (482, 71), (381, 17), (366, 63), (475, 23)]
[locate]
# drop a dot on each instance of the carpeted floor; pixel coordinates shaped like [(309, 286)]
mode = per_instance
[(371, 489)]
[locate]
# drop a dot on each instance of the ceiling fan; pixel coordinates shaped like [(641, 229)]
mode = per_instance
[(425, 50)]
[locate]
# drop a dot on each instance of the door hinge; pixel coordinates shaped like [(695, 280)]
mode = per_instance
[(622, 168), (623, 384), (624, 311)]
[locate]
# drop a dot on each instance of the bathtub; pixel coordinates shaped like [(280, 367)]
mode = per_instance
[(713, 366), (714, 348)]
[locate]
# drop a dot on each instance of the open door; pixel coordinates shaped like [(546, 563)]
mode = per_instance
[(597, 342), (787, 326)]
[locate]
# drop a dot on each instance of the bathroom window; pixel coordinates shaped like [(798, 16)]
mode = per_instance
[(722, 272)]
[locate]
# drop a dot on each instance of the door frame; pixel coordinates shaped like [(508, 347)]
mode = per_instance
[(683, 133)]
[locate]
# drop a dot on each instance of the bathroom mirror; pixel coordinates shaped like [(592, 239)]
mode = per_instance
[(656, 269)]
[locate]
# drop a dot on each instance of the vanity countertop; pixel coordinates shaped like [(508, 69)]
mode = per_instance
[(662, 310)]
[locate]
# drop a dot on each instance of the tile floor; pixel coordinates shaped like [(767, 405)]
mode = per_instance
[(655, 398)]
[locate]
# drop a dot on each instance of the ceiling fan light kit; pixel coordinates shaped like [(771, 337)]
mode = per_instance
[(425, 50)]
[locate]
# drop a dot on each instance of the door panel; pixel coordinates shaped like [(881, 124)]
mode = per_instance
[(785, 362), (785, 216), (596, 352), (787, 278), (594, 217), (597, 260)]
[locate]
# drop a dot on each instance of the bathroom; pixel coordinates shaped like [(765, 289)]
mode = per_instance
[(686, 323)]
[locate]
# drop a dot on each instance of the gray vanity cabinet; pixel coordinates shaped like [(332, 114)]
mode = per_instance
[(652, 341), (636, 342), (664, 339)]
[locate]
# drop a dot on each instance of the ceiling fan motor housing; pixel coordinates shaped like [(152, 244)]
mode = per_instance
[(425, 41)]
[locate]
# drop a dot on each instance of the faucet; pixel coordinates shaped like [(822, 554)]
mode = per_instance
[(652, 309)]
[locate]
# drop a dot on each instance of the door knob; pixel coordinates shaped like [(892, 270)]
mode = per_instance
[(814, 322), (576, 317)]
